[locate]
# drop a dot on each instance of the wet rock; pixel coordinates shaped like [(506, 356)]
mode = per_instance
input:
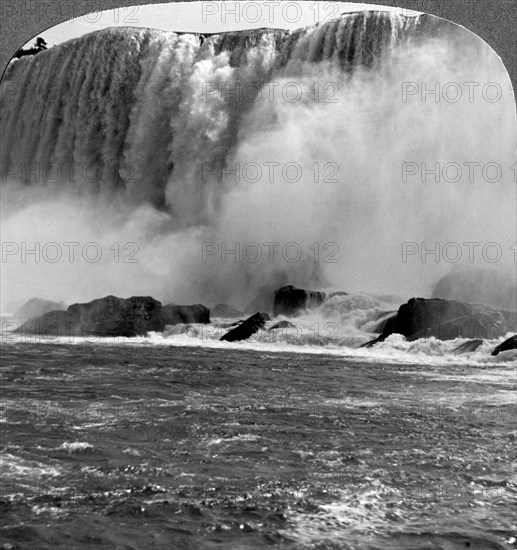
[(290, 300), (469, 345), (446, 320), (173, 314), (509, 344), (247, 328), (384, 318), (109, 316), (112, 316)]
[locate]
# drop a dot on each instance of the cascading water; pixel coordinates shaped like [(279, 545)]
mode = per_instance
[(127, 99), (132, 135)]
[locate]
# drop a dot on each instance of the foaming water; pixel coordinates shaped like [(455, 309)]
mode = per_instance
[(338, 327), (260, 449)]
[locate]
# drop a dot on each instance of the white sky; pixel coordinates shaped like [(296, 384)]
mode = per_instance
[(208, 17)]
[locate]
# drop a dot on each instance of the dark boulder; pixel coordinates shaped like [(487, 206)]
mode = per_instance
[(469, 345), (112, 316), (479, 286), (290, 300), (225, 311), (383, 320), (446, 320), (174, 315), (36, 307), (509, 344), (247, 328), (109, 316)]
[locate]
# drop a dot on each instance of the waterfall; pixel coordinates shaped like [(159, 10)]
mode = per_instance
[(146, 133), (145, 110)]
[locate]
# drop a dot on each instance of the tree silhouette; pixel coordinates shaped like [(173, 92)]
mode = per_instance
[(39, 47)]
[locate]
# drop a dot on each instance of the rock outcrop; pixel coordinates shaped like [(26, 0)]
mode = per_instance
[(247, 328), (36, 307), (173, 314), (109, 316), (119, 316), (290, 300), (446, 320), (509, 344)]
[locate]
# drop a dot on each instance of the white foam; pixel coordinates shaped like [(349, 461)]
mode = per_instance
[(337, 328), (76, 446), (18, 468)]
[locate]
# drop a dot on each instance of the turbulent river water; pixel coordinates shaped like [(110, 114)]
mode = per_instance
[(297, 439), (162, 446)]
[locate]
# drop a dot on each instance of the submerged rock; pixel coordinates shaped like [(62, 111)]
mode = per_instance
[(174, 315), (446, 320), (470, 345), (109, 316), (282, 324), (509, 344), (247, 328), (290, 300), (36, 307)]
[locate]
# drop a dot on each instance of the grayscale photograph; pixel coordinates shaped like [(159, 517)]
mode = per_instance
[(258, 281)]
